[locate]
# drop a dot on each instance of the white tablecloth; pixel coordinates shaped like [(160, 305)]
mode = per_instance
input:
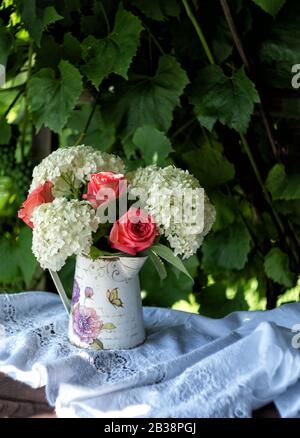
[(190, 366)]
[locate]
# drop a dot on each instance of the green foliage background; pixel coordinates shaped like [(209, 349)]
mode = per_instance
[(202, 84)]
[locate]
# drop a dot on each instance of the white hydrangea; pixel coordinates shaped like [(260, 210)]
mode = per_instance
[(71, 166), (161, 191), (62, 228)]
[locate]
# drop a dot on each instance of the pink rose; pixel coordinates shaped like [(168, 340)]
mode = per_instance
[(41, 195), (133, 232), (104, 187)]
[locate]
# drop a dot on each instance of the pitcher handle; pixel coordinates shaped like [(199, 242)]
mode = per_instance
[(60, 289)]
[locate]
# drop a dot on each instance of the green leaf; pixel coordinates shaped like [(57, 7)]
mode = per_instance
[(272, 7), (5, 131), (158, 264), (226, 210), (36, 18), (71, 49), (6, 44), (52, 107), (172, 288), (114, 53), (167, 254), (158, 9), (227, 99), (109, 326), (24, 256), (209, 166), (277, 268), (150, 100), (96, 253), (226, 249), (153, 144), (281, 186), (50, 16)]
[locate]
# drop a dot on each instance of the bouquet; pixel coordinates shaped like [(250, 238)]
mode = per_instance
[(81, 201)]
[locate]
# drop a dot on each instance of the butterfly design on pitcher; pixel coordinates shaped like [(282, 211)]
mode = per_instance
[(113, 297)]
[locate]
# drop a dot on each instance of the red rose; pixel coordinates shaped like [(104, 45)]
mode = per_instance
[(38, 196), (104, 187), (133, 232)]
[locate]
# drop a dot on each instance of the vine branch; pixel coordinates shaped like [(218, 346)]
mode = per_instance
[(26, 110), (198, 31), (87, 125), (239, 46), (244, 142)]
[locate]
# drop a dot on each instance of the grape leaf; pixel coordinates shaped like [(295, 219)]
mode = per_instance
[(158, 9), (282, 186), (226, 210), (227, 99), (114, 53), (36, 18), (50, 16), (226, 249), (153, 144), (209, 165), (149, 100), (272, 7), (52, 99), (277, 267), (6, 44)]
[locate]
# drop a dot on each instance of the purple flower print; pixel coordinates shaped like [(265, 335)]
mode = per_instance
[(86, 324), (76, 293), (89, 292)]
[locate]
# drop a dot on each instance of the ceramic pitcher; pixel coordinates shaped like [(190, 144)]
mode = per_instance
[(106, 309)]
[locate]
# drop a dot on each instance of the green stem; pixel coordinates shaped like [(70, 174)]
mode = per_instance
[(183, 127), (105, 17), (198, 31), (85, 130), (155, 41), (26, 110), (268, 198)]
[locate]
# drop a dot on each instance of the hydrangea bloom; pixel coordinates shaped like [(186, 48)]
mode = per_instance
[(71, 166), (62, 228), (162, 192)]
